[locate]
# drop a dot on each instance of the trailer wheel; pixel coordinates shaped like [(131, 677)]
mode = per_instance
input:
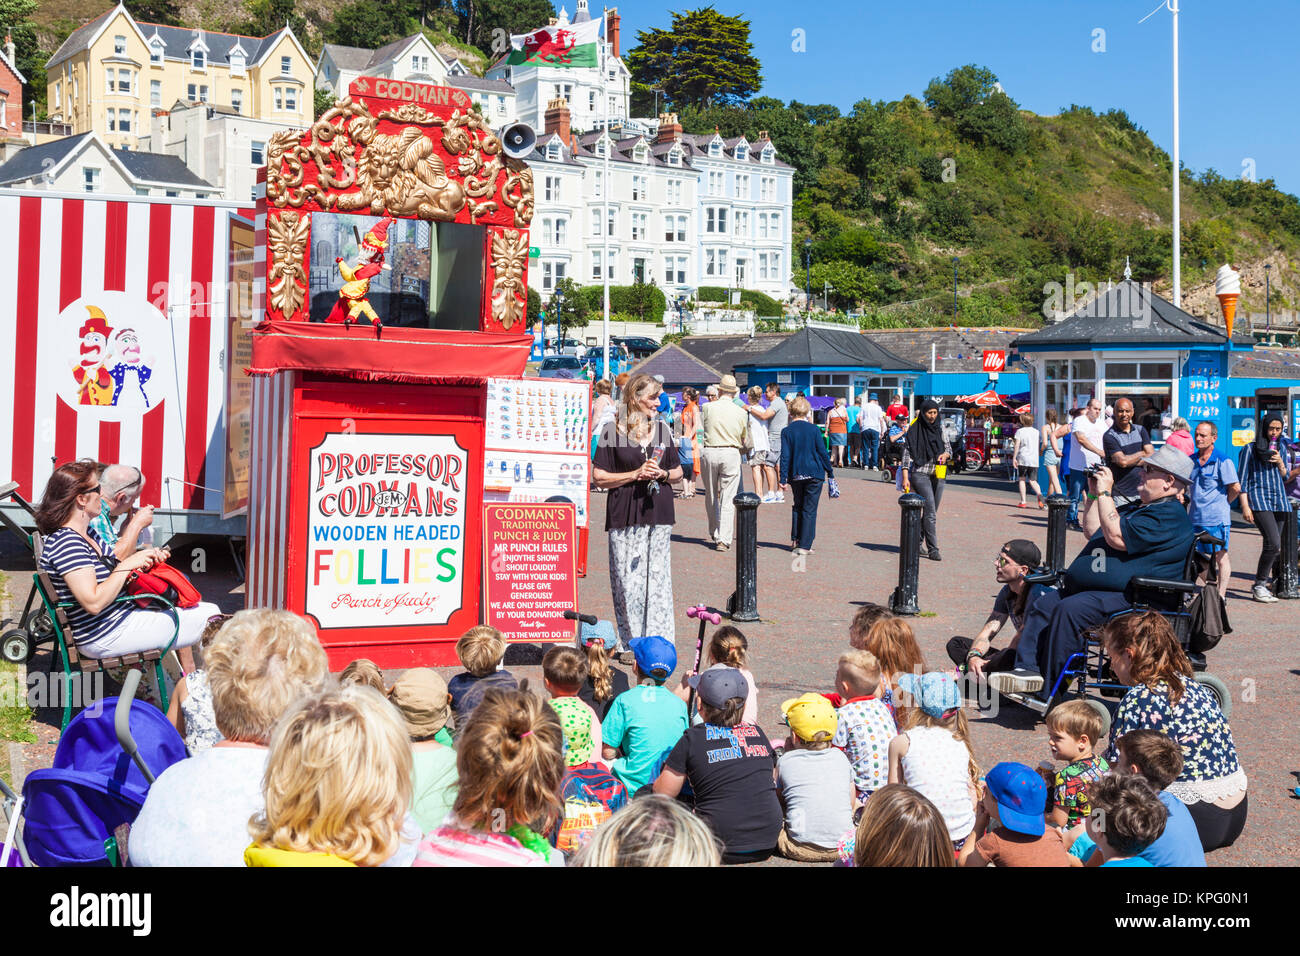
[(14, 646), (886, 473)]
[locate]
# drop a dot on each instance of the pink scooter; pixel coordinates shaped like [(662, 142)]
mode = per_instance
[(711, 616)]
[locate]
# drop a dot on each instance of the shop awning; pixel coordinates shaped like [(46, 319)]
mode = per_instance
[(421, 356)]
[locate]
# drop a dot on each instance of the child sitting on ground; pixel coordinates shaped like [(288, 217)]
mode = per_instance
[(420, 696), (865, 723), (591, 794), (509, 772), (604, 682), (815, 782), (1160, 760), (365, 672), (728, 764), (337, 784), (480, 650), (1074, 728), (932, 754), (892, 641), (728, 648), (190, 710), (1127, 817), (863, 621), (1009, 826), (646, 721), (563, 672)]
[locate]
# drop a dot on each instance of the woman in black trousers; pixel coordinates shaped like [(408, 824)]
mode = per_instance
[(805, 466), (928, 449)]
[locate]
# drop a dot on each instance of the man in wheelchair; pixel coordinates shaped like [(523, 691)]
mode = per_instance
[(1152, 541)]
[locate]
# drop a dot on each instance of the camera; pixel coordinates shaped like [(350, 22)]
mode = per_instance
[(1093, 469)]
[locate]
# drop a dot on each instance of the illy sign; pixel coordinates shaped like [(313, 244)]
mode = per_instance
[(995, 360)]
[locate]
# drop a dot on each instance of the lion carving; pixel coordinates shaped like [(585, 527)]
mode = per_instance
[(400, 175)]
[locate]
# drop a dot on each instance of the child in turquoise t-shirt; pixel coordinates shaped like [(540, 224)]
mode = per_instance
[(646, 721)]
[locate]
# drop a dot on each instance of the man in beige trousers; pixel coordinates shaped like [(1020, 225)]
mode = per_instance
[(726, 427)]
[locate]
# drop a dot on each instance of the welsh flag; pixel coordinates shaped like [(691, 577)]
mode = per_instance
[(572, 45)]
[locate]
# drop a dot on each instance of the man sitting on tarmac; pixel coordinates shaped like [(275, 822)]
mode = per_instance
[(1153, 540), (1017, 558)]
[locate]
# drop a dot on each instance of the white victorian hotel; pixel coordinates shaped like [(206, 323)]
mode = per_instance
[(684, 210)]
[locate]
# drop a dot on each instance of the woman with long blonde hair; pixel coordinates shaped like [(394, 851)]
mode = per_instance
[(636, 462)]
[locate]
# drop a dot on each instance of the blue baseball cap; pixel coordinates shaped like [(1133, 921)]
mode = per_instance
[(935, 693), (601, 631), (655, 656), (1021, 796)]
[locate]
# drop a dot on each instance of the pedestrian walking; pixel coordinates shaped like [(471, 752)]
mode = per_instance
[(873, 429), (1215, 487), (1025, 455), (1086, 434), (776, 416), (635, 462), (757, 457), (1126, 444), (929, 452), (805, 466), (726, 435), (1264, 501), (837, 429), (1051, 446)]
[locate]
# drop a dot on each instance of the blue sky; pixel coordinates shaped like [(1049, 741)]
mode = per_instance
[(1237, 62)]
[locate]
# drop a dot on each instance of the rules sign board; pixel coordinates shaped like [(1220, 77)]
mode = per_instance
[(530, 570)]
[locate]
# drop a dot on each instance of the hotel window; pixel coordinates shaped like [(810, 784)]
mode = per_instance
[(90, 176), (681, 228), (742, 152), (762, 266), (776, 265), (674, 157), (237, 63), (156, 53), (591, 101), (595, 265), (640, 189), (198, 60), (58, 102), (597, 180), (742, 186), (742, 224), (710, 262), (109, 81), (762, 225), (768, 154), (716, 182), (112, 121), (767, 188), (291, 99), (609, 223), (279, 98), (595, 222), (124, 81), (237, 100), (155, 92), (640, 230), (286, 65), (552, 192), (124, 121), (715, 149), (776, 225), (258, 153), (119, 46), (715, 220), (553, 154)]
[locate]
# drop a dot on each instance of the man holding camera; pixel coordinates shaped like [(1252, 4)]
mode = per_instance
[(1152, 540), (120, 487), (1086, 440)]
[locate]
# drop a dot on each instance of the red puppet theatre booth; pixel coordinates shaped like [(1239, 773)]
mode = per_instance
[(395, 233)]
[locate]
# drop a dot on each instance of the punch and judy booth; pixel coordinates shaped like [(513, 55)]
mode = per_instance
[(388, 403)]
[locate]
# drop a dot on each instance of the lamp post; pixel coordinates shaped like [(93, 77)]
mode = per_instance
[(807, 278), (559, 322), (827, 289), (1268, 311), (955, 260)]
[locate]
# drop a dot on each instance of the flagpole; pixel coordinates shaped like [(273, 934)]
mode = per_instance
[(1178, 261), (604, 226)]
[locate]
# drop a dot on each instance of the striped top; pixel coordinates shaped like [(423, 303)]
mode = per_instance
[(450, 845), (65, 551), (1263, 485)]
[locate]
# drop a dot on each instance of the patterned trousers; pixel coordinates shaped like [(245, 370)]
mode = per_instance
[(641, 580)]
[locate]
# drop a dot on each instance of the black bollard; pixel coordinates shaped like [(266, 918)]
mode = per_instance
[(743, 605), (1288, 587), (903, 600), (1058, 508)]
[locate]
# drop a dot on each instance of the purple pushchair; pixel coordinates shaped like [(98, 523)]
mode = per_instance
[(105, 763)]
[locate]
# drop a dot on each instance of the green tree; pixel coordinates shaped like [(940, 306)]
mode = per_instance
[(704, 59), (361, 24), (575, 311), (489, 24), (16, 15), (323, 100), (166, 12), (984, 114)]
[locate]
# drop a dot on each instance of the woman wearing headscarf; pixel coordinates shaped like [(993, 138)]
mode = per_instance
[(927, 449), (1263, 498)]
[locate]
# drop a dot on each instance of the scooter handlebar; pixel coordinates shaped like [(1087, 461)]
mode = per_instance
[(707, 613)]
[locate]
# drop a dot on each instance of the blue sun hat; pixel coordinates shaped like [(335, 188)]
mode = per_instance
[(936, 693), (602, 631)]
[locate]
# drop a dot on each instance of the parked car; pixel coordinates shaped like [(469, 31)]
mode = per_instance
[(567, 347), (618, 360), (561, 366), (638, 346)]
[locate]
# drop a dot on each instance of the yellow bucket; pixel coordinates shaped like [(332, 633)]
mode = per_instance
[(941, 472)]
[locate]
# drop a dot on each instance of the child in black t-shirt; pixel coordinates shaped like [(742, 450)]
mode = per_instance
[(730, 767), (481, 650)]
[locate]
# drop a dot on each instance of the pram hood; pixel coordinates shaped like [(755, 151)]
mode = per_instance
[(94, 787)]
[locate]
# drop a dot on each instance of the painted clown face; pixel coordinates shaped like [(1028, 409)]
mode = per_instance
[(92, 348), (128, 347)]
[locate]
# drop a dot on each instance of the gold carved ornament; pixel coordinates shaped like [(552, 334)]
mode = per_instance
[(399, 173), (509, 259), (288, 234)]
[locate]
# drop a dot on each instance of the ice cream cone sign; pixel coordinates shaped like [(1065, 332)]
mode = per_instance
[(1227, 286)]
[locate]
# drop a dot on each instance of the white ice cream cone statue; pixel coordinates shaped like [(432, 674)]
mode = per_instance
[(1227, 286)]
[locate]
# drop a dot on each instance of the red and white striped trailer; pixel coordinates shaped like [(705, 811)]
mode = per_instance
[(116, 312)]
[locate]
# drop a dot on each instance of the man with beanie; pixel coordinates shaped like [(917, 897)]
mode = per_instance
[(1017, 558)]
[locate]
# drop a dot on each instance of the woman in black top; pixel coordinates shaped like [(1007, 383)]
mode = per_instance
[(636, 460), (927, 449)]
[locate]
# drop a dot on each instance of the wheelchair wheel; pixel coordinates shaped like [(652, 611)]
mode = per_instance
[(886, 473), (1220, 690), (15, 646)]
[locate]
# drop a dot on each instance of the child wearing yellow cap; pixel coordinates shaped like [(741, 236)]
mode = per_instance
[(815, 781)]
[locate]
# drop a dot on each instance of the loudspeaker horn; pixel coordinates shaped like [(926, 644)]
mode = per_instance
[(517, 140)]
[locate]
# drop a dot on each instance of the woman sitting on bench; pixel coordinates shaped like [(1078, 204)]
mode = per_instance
[(89, 580)]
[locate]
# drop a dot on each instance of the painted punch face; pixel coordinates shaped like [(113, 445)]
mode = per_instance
[(92, 348)]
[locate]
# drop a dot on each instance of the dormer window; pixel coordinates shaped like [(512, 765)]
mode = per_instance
[(156, 50), (119, 46), (553, 151), (742, 152), (715, 148), (640, 154), (674, 157), (198, 59), (768, 154), (237, 62), (600, 147)]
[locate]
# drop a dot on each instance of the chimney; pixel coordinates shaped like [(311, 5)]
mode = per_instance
[(557, 118), (762, 135), (670, 131), (11, 52), (612, 20)]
